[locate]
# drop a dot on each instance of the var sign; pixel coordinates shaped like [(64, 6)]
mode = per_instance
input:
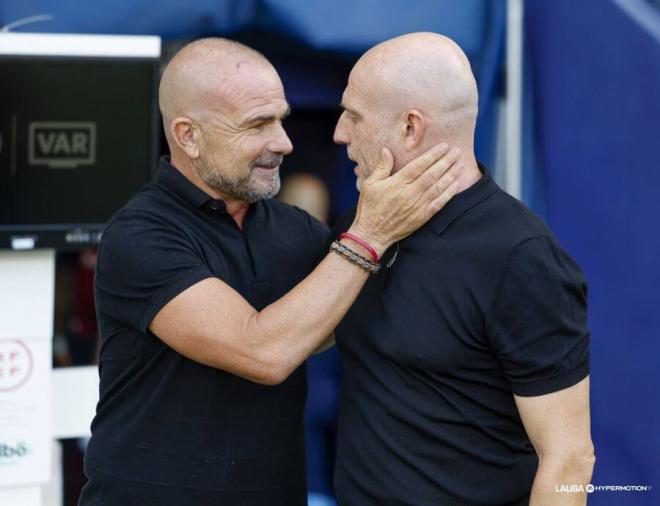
[(61, 145)]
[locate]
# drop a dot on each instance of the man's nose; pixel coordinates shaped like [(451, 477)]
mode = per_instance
[(341, 132), (282, 143)]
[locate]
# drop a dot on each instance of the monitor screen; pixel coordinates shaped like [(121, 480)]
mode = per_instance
[(78, 137)]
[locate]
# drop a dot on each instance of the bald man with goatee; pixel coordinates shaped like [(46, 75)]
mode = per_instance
[(466, 357), (210, 295)]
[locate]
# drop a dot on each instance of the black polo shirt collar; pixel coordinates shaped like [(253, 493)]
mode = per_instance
[(171, 178), (465, 200)]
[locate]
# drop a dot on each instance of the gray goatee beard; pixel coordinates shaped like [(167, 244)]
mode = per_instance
[(249, 188)]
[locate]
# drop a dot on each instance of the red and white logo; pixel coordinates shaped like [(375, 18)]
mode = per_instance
[(15, 365)]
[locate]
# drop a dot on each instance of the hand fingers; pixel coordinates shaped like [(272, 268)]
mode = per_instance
[(442, 184), (436, 171), (384, 167), (415, 168), (442, 199)]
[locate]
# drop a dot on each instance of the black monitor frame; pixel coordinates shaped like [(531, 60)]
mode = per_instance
[(75, 236)]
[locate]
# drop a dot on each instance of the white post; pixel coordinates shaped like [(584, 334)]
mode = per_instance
[(75, 394), (514, 76)]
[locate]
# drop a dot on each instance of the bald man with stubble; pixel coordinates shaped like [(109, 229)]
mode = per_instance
[(466, 357), (210, 295)]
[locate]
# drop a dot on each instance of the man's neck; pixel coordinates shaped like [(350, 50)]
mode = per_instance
[(470, 173), (236, 208)]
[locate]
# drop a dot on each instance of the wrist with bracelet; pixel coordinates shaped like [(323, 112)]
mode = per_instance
[(361, 242), (372, 266)]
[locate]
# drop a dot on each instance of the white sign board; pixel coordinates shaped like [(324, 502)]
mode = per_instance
[(26, 327), (25, 435)]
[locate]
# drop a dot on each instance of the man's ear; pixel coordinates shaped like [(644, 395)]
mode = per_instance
[(415, 129), (186, 136)]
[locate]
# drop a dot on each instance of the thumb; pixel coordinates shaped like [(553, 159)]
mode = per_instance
[(384, 167)]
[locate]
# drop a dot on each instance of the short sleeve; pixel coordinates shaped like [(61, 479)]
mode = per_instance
[(143, 263), (320, 236), (538, 321)]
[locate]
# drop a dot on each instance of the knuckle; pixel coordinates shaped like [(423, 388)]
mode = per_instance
[(443, 165)]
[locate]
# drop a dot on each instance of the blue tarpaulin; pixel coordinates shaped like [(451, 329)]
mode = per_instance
[(344, 25), (596, 71)]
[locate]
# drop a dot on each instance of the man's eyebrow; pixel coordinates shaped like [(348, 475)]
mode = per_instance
[(343, 106), (264, 118)]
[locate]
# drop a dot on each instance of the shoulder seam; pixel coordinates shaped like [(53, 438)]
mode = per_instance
[(505, 268)]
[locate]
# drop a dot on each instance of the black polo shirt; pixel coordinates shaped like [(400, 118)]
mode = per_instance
[(480, 304), (168, 430)]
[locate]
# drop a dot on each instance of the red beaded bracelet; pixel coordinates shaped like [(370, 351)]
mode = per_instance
[(362, 243)]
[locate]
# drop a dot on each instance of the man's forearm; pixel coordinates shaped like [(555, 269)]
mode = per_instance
[(562, 479), (295, 326)]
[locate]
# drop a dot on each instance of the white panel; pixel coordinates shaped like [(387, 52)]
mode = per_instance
[(61, 44), (21, 496), (25, 411), (52, 493), (75, 394), (27, 293)]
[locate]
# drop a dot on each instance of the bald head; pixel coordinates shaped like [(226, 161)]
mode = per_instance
[(408, 94), (424, 71), (205, 76), (223, 105)]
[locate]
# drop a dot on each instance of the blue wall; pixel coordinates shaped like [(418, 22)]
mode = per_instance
[(596, 74)]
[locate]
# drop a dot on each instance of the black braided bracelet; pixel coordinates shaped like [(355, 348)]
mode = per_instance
[(351, 255)]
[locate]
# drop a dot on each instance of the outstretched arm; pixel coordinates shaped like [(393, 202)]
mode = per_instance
[(213, 324)]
